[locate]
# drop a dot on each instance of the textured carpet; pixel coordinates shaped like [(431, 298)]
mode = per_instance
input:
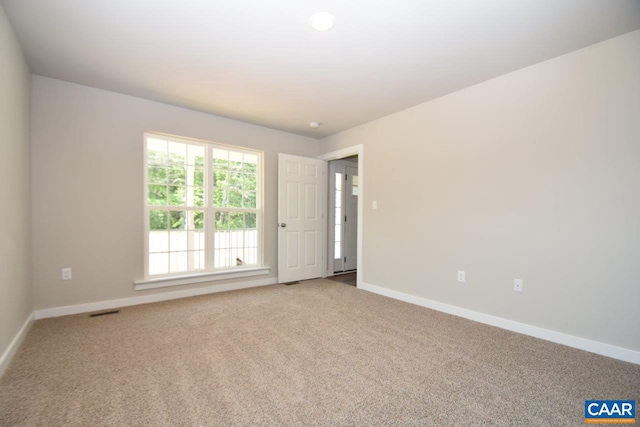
[(317, 353), (346, 278)]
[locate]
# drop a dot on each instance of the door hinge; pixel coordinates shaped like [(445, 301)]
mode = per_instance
[(345, 176), (345, 259), (345, 218)]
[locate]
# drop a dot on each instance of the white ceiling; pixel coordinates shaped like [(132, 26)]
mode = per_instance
[(260, 62)]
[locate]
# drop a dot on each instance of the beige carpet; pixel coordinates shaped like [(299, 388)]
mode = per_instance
[(346, 278), (317, 353)]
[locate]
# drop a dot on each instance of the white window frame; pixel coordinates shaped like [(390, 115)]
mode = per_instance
[(209, 272)]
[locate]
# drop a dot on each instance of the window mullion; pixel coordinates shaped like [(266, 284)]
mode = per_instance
[(209, 223)]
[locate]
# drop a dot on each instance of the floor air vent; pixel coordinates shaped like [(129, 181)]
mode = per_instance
[(104, 313)]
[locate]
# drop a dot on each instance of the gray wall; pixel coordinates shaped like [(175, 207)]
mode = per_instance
[(15, 240), (532, 175), (87, 186)]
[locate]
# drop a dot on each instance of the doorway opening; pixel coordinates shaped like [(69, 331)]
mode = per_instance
[(356, 153), (343, 216)]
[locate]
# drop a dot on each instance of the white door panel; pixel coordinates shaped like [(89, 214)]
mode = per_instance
[(301, 190)]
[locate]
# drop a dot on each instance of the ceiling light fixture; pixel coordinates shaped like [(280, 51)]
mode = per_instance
[(322, 21), (314, 125)]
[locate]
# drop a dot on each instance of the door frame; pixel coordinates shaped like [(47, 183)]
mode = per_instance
[(338, 166), (357, 150)]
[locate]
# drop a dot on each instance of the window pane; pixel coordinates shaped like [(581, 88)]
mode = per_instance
[(251, 256), (156, 151), (220, 158), (220, 178), (222, 258), (250, 163), (250, 199), (158, 220), (235, 180), (235, 198), (198, 187), (236, 239), (195, 155), (178, 240), (159, 263), (354, 186), (177, 195), (220, 198), (249, 182), (158, 241), (157, 195), (177, 220), (198, 220), (177, 152), (222, 221), (219, 189), (198, 240), (198, 260), (250, 220), (236, 220), (337, 250), (235, 160), (338, 181), (196, 196), (178, 262), (157, 174), (177, 174)]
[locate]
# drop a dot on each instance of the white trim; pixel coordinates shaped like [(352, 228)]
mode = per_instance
[(164, 282), (603, 349), (356, 150), (15, 343), (145, 299)]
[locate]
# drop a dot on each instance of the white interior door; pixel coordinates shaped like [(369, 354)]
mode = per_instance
[(301, 206)]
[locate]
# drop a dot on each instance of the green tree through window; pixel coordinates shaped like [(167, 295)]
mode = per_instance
[(177, 205)]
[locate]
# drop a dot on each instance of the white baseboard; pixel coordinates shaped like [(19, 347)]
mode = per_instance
[(15, 343), (145, 299), (608, 350)]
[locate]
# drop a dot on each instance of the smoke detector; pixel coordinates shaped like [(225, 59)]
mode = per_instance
[(314, 125)]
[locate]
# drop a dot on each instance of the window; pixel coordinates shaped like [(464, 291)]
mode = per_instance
[(354, 186), (203, 207)]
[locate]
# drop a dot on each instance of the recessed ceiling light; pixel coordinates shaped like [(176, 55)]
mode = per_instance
[(314, 125), (322, 21)]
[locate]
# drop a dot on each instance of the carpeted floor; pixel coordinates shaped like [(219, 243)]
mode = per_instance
[(346, 278), (317, 353)]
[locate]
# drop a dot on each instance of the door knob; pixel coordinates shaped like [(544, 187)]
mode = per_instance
[(283, 225)]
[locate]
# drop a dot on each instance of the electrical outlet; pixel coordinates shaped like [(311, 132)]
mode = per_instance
[(461, 276), (518, 285), (66, 274)]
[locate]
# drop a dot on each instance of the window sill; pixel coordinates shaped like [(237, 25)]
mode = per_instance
[(164, 282)]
